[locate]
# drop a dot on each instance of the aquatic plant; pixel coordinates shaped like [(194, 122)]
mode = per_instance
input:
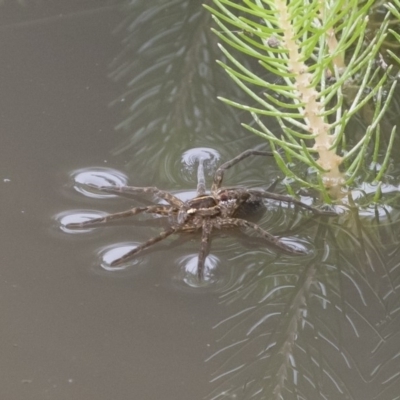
[(321, 65)]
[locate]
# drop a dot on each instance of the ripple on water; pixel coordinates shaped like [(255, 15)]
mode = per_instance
[(191, 157), (76, 216), (85, 178), (298, 245), (188, 268), (109, 254)]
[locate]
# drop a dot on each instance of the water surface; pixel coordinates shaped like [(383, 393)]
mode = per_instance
[(94, 92)]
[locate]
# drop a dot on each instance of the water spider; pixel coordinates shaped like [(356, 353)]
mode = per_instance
[(221, 208)]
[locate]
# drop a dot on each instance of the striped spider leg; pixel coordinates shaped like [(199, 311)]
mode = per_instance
[(158, 209), (289, 199), (130, 254), (161, 194), (219, 174), (271, 239), (206, 229)]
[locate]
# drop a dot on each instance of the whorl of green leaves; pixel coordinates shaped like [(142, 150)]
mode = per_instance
[(317, 49)]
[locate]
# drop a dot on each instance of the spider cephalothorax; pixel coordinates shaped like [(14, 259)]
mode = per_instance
[(221, 208), (222, 204)]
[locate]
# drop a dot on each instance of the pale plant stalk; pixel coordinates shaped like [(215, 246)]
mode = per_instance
[(313, 109)]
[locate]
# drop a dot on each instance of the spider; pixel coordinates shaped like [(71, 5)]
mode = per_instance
[(219, 209)]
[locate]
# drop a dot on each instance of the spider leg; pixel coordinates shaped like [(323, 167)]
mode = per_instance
[(201, 180), (231, 222), (162, 194), (290, 199), (143, 246), (159, 209), (204, 247), (272, 186), (219, 175)]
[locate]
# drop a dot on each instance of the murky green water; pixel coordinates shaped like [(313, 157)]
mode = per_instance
[(320, 326)]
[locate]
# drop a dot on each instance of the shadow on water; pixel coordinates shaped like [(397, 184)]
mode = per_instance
[(321, 326)]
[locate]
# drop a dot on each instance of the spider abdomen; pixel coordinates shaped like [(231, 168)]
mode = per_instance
[(239, 202), (254, 206)]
